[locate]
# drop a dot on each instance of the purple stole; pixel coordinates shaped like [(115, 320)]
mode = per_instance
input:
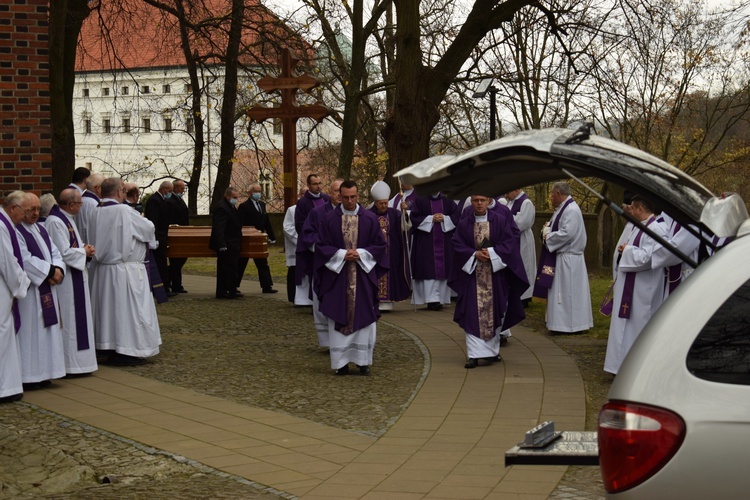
[(46, 300), (19, 258), (436, 205), (516, 207), (79, 289), (89, 194), (545, 273), (626, 303), (317, 201)]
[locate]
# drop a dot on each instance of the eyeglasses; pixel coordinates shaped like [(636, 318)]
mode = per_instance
[(32, 210)]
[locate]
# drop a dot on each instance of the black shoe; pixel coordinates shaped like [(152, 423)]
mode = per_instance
[(471, 363), (31, 386), (364, 370), (343, 370), (492, 359), (170, 293), (181, 290), (237, 293), (526, 303), (270, 290), (12, 398), (503, 340), (434, 306)]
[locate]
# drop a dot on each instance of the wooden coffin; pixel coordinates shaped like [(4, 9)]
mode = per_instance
[(192, 241)]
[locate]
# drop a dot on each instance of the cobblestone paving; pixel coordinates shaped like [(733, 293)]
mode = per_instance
[(254, 351)]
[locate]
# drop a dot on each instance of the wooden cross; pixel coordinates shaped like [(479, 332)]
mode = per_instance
[(289, 112)]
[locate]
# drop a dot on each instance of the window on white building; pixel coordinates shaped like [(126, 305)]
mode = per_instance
[(88, 165), (277, 127), (167, 124), (145, 89), (126, 125), (190, 125), (146, 125), (266, 184), (106, 125), (87, 125), (188, 88), (166, 89), (105, 91), (125, 90), (85, 92)]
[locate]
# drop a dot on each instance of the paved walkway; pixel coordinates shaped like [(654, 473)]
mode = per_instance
[(449, 443)]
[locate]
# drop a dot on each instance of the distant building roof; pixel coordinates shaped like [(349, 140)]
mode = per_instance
[(130, 34)]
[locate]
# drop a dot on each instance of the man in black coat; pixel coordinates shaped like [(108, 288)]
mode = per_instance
[(158, 212), (179, 215), (253, 213), (226, 240)]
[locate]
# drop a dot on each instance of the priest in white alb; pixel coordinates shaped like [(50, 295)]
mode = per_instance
[(74, 296), (14, 285), (125, 321), (638, 290), (40, 338)]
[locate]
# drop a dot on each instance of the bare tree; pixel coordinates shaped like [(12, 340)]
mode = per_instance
[(673, 83)]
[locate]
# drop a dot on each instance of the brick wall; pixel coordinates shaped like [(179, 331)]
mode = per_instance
[(25, 124)]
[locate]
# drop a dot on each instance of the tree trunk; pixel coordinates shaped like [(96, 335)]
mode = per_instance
[(419, 90), (352, 93), (195, 111), (65, 20), (229, 103)]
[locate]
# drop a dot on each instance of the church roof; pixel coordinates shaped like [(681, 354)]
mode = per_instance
[(130, 34)]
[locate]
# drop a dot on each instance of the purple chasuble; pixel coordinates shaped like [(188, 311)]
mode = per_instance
[(506, 286), (79, 290), (545, 273), (333, 288), (19, 258), (626, 303), (46, 299)]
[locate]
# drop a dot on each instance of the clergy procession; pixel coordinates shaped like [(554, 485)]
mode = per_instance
[(81, 273)]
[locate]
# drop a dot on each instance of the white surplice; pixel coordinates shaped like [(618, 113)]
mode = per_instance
[(124, 313), (83, 361), (681, 239), (42, 354), (524, 219), (290, 237), (647, 296), (569, 298), (14, 283), (89, 205)]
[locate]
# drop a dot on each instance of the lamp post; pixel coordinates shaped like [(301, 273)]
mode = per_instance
[(486, 87)]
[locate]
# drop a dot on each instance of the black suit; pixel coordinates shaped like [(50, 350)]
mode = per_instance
[(257, 218), (180, 215), (226, 240), (158, 212)]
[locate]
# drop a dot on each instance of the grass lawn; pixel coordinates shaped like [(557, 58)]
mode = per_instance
[(276, 261)]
